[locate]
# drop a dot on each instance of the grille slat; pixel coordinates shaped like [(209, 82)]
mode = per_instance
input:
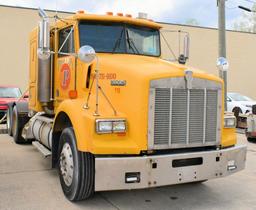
[(162, 116), (179, 116), (185, 117)]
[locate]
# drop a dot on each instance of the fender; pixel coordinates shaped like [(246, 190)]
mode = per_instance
[(80, 121)]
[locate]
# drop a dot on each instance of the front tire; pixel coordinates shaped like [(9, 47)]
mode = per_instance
[(76, 169)]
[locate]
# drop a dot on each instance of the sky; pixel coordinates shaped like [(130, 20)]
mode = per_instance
[(171, 11)]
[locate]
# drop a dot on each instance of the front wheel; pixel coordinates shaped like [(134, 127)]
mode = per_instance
[(76, 169)]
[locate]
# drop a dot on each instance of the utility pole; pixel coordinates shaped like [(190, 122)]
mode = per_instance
[(222, 41)]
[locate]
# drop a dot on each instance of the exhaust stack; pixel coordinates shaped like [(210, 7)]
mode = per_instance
[(44, 61)]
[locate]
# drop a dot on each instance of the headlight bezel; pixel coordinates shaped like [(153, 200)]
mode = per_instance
[(99, 122), (227, 123)]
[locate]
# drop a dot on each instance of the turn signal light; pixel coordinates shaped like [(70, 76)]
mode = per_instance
[(80, 11), (120, 14), (72, 94)]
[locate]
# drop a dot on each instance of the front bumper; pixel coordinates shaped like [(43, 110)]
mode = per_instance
[(151, 171)]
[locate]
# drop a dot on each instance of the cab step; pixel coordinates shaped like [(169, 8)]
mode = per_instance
[(41, 148)]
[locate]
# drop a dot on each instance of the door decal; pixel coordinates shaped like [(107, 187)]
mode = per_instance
[(65, 76)]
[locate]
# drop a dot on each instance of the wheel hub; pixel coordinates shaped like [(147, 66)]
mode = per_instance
[(66, 164)]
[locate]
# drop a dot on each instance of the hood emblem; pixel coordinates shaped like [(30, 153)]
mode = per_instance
[(188, 78), (118, 82)]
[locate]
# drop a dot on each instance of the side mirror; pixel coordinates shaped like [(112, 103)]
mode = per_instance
[(26, 95), (185, 56), (86, 54), (222, 64)]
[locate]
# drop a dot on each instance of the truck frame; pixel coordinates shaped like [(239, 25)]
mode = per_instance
[(114, 115)]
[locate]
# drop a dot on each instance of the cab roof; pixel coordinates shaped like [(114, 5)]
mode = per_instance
[(120, 18)]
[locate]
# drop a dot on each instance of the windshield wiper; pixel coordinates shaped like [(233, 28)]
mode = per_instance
[(118, 41), (131, 44)]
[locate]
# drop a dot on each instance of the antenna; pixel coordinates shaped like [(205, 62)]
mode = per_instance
[(56, 8)]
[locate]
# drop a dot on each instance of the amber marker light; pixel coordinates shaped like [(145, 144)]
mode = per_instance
[(72, 94), (109, 13), (80, 11)]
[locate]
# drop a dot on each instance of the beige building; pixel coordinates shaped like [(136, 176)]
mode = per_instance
[(16, 23)]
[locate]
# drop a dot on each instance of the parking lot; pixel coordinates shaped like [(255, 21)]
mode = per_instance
[(28, 182)]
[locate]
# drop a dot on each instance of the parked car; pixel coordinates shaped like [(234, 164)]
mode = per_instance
[(8, 94), (243, 102), (22, 99)]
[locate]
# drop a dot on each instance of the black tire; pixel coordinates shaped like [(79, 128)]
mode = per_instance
[(81, 185), (251, 139), (18, 122), (9, 121), (237, 110)]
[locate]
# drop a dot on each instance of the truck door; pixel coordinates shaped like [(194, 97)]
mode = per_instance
[(65, 71)]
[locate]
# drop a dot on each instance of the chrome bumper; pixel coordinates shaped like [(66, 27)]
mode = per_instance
[(118, 173)]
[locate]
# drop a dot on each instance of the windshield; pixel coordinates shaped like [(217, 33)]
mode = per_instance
[(239, 97), (120, 38), (6, 92)]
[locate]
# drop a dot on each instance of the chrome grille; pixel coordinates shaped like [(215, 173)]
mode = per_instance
[(162, 115), (211, 122), (196, 116), (181, 117)]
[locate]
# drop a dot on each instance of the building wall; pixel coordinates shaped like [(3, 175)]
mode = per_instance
[(204, 52), (16, 23)]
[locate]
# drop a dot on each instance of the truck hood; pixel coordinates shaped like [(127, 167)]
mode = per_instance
[(146, 67)]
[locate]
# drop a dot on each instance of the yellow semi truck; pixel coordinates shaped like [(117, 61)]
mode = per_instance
[(114, 115)]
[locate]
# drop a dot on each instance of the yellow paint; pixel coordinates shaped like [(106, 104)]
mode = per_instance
[(130, 101), (229, 137), (34, 104)]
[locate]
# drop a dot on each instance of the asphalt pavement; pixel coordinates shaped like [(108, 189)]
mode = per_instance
[(28, 182)]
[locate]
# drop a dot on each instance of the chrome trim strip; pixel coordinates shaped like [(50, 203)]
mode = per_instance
[(170, 119), (151, 118), (205, 101), (188, 113)]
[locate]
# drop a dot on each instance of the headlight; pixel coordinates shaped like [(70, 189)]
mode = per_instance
[(230, 121), (110, 126)]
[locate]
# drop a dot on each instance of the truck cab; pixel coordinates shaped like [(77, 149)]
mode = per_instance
[(114, 115)]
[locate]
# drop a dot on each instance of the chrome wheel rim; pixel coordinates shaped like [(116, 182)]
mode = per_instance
[(66, 164), (8, 123), (14, 124)]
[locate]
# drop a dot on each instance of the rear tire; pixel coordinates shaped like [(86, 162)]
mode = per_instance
[(18, 123), (76, 169)]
